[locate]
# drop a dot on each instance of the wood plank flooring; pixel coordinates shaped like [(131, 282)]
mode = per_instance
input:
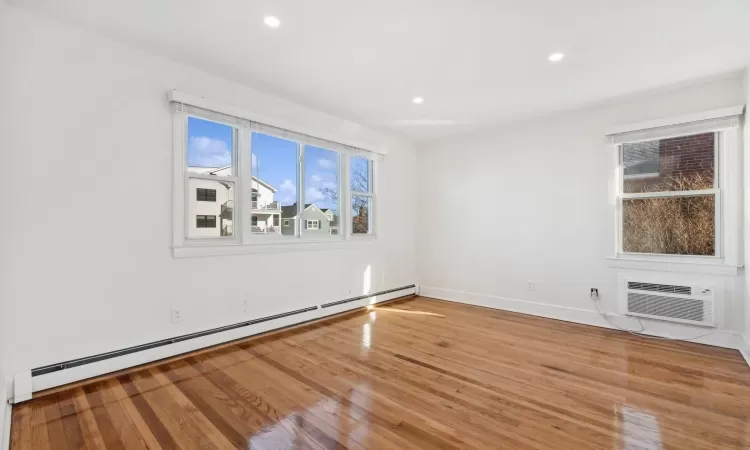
[(416, 374)]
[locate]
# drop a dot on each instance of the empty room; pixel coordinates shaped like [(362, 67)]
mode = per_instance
[(340, 224)]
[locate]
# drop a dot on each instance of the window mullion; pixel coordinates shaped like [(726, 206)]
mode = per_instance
[(242, 211), (702, 192), (300, 189), (345, 220)]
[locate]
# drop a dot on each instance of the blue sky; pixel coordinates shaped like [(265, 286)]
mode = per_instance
[(274, 161)]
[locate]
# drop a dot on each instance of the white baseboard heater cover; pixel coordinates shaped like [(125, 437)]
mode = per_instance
[(53, 374), (669, 302)]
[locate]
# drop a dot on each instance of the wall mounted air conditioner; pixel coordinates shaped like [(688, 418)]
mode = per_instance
[(669, 302)]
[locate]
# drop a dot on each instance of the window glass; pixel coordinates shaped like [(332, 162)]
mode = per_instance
[(206, 195), (209, 146), (684, 163), (205, 221), (274, 184), (321, 190), (669, 225), (221, 208), (361, 207), (359, 174)]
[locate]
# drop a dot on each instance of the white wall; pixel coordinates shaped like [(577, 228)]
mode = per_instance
[(4, 320), (91, 136), (746, 215), (538, 197)]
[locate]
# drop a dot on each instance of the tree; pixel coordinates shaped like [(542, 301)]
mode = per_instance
[(359, 182)]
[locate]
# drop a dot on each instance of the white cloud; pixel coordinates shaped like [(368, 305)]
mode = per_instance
[(255, 163), (288, 185), (327, 163), (319, 183), (287, 199), (207, 152), (313, 195)]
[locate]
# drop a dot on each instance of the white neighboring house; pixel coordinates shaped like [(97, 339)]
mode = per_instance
[(211, 205)]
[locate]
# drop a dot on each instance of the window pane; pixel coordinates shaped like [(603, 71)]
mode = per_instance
[(359, 175), (216, 217), (274, 186), (206, 195), (671, 225), (210, 146), (321, 190), (361, 207), (683, 163)]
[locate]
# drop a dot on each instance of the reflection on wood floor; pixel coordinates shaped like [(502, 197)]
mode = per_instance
[(415, 374)]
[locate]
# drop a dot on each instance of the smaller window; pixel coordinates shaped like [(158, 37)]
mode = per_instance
[(362, 195), (206, 195), (205, 221), (286, 222), (255, 221), (313, 225)]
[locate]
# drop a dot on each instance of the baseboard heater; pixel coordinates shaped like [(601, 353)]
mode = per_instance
[(164, 342)]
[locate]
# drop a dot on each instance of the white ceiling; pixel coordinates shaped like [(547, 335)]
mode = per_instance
[(476, 62)]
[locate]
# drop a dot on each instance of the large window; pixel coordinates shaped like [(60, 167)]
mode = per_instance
[(211, 150), (274, 169), (262, 184), (670, 195), (322, 174)]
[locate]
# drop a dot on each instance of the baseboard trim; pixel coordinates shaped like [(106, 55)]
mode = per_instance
[(100, 369), (722, 338)]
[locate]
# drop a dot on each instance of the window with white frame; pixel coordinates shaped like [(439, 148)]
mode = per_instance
[(672, 184), (674, 209), (361, 185), (210, 172), (253, 177)]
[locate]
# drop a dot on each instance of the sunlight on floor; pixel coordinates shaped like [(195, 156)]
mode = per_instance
[(404, 311), (640, 429)]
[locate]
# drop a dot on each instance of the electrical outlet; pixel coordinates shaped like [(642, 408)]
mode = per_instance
[(176, 316), (531, 286)]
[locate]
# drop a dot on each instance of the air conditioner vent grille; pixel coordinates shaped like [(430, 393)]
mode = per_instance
[(666, 288), (662, 306)]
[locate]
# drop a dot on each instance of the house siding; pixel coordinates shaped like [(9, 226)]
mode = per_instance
[(683, 157), (288, 230), (316, 214)]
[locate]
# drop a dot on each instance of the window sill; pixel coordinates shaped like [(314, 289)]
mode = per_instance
[(708, 266), (199, 250)]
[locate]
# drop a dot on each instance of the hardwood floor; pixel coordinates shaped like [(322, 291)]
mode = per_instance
[(416, 374)]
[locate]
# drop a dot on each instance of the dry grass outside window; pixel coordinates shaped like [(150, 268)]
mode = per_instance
[(671, 225)]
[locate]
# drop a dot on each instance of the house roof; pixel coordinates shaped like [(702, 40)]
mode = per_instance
[(214, 170), (290, 212)]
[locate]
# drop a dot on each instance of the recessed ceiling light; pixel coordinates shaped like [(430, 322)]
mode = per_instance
[(418, 100), (272, 21), (556, 57)]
